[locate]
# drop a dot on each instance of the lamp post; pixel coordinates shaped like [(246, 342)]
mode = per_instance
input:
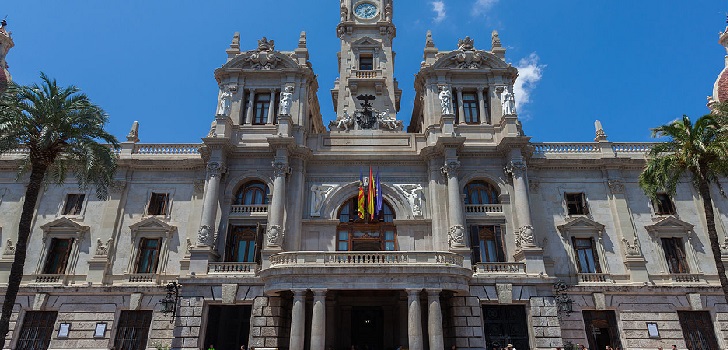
[(170, 301), (564, 303)]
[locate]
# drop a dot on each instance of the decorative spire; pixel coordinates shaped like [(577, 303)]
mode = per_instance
[(133, 135), (495, 45), (600, 134), (428, 40), (302, 40), (466, 44), (234, 48)]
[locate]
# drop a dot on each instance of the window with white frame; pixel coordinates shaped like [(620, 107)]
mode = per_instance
[(61, 241), (673, 239)]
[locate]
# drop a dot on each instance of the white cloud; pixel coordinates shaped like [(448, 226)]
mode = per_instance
[(482, 6), (439, 8), (529, 73)]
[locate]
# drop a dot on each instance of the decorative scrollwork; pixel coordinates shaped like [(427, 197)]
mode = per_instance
[(616, 186), (215, 169), (203, 235), (274, 236), (456, 236), (280, 168), (451, 168), (516, 168), (633, 249)]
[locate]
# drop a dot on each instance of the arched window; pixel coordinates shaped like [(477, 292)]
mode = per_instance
[(254, 192), (365, 233), (480, 192)]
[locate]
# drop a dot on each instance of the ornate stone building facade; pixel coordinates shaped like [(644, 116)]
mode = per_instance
[(482, 238)]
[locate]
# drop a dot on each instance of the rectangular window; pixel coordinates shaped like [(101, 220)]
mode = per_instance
[(576, 204), (586, 255), (57, 257), (37, 330), (470, 108), (675, 255), (132, 330), (74, 204), (389, 240), (366, 62), (486, 244), (262, 104), (241, 245), (343, 241), (663, 204), (148, 255), (158, 203)]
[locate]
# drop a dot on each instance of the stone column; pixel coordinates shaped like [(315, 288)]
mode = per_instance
[(241, 113), (434, 319), (275, 219), (251, 107), (271, 107), (484, 119), (414, 315), (318, 320), (298, 320), (209, 208), (526, 248), (461, 108), (456, 231)]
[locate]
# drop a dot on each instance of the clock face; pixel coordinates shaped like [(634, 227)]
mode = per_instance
[(365, 10)]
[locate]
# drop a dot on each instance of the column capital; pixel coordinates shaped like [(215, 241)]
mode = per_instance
[(459, 89), (480, 89), (215, 169), (516, 168), (413, 292), (451, 168), (433, 292), (280, 168), (299, 293), (319, 292)]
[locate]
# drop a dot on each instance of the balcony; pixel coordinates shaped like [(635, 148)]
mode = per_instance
[(366, 74), (594, 278), (483, 209), (500, 268), (685, 277), (249, 210), (143, 278), (362, 270), (51, 278), (232, 268)]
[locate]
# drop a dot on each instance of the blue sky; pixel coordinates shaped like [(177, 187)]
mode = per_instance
[(631, 64)]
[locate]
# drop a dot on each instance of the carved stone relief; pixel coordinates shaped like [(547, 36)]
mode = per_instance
[(319, 193), (414, 194)]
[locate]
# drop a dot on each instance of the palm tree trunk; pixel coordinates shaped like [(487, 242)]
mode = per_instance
[(16, 271), (704, 189)]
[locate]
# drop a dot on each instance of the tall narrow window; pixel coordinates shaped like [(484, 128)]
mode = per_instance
[(132, 330), (254, 192), (470, 108), (663, 204), (148, 255), (576, 204), (241, 245), (675, 255), (158, 203), (486, 244), (74, 204), (366, 62), (262, 104), (37, 330), (586, 255), (57, 258)]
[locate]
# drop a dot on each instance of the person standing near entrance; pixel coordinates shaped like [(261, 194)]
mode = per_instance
[(211, 347)]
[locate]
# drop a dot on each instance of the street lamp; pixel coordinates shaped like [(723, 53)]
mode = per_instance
[(170, 301)]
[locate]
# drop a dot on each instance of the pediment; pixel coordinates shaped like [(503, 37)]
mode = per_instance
[(365, 41), (581, 224), (670, 224), (152, 224), (63, 224), (470, 59), (261, 60)]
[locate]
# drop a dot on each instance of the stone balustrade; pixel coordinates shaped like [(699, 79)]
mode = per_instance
[(143, 277), (50, 278), (367, 74), (365, 258), (685, 277), (565, 147), (483, 208), (641, 147), (249, 209), (167, 148), (232, 268), (597, 149), (500, 268), (594, 278)]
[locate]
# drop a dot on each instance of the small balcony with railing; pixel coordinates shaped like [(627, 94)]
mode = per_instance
[(249, 210), (484, 269), (233, 268), (364, 74), (588, 278), (483, 210)]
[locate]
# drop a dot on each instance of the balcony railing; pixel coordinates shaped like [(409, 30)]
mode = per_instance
[(542, 148), (365, 258), (232, 268), (257, 209), (167, 149), (143, 277), (500, 268), (50, 278), (367, 74), (483, 208), (594, 278), (685, 277)]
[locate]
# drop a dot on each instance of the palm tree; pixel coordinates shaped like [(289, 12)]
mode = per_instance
[(60, 129), (700, 150)]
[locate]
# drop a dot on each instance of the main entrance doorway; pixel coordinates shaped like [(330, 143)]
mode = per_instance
[(367, 327), (505, 324), (228, 326), (601, 329)]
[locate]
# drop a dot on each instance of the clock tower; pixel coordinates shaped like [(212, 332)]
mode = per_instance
[(366, 81)]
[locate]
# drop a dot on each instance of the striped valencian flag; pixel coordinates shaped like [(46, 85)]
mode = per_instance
[(370, 194), (360, 199)]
